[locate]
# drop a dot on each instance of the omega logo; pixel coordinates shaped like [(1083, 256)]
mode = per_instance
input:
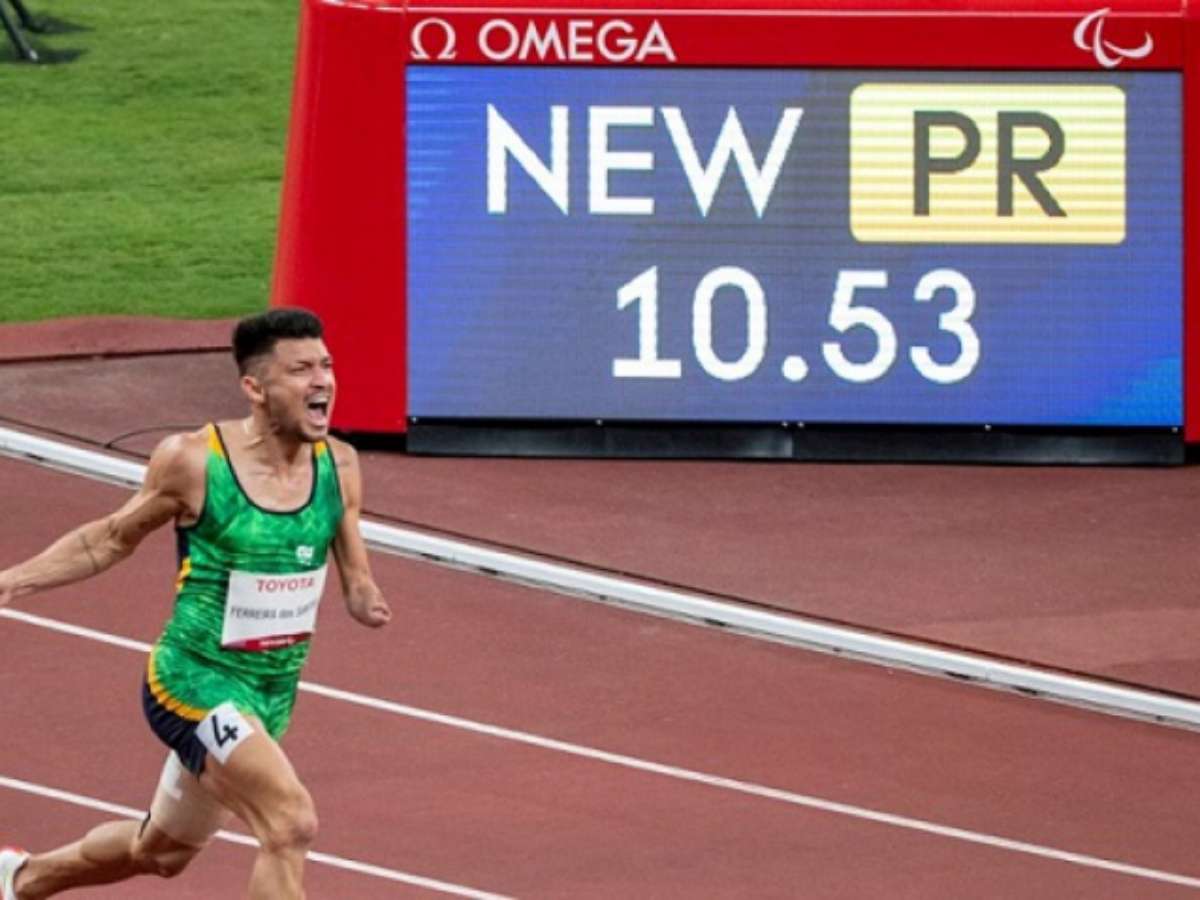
[(575, 40), (448, 39)]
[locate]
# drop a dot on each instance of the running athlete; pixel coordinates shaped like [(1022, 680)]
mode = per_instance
[(257, 504)]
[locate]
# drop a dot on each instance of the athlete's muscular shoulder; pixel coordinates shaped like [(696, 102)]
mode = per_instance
[(175, 477), (344, 453)]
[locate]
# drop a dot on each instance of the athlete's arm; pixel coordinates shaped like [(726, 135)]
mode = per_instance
[(364, 600), (166, 492)]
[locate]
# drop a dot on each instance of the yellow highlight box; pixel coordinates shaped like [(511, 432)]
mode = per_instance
[(983, 164)]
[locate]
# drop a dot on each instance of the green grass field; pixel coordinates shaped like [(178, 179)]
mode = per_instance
[(140, 167)]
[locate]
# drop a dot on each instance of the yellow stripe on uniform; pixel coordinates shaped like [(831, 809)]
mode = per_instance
[(214, 442), (185, 569), (320, 449), (165, 700)]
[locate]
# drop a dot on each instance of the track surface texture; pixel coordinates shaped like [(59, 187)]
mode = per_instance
[(504, 739)]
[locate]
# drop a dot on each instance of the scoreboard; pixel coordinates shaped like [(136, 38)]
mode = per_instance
[(960, 232), (794, 245)]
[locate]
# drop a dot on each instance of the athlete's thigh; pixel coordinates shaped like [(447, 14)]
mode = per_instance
[(250, 774)]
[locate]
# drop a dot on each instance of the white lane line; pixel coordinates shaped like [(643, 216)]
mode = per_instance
[(689, 606), (326, 859), (90, 634), (642, 765)]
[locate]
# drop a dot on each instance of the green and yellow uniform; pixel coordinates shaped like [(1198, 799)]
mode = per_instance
[(249, 579)]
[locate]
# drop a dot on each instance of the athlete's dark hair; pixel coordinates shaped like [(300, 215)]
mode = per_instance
[(257, 335)]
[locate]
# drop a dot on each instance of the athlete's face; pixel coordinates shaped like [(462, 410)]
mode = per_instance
[(297, 387)]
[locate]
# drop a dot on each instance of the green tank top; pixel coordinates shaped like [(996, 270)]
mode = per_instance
[(249, 577)]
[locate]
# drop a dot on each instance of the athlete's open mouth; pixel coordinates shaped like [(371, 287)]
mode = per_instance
[(318, 410)]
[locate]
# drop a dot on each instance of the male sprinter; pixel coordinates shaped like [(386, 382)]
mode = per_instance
[(257, 503)]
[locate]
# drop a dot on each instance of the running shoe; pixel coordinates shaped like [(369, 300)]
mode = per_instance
[(11, 859)]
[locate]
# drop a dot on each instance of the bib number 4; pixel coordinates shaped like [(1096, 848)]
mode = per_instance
[(223, 730)]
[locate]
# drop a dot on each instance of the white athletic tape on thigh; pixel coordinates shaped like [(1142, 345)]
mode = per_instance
[(183, 810), (168, 782), (222, 731)]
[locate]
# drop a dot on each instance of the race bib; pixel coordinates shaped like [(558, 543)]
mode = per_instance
[(222, 731), (263, 612)]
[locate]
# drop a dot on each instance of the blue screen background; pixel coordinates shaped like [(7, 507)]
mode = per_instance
[(515, 315)]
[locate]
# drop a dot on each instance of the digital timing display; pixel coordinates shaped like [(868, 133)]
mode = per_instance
[(740, 245)]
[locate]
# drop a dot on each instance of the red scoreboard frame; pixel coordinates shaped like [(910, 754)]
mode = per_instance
[(341, 248)]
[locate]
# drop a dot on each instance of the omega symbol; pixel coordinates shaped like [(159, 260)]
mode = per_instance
[(448, 36)]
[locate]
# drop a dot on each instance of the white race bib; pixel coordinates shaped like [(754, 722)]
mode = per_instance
[(222, 731), (263, 612)]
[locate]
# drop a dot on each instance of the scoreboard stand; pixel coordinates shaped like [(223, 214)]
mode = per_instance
[(808, 443)]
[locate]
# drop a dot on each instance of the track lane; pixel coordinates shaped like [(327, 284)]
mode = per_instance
[(551, 827), (661, 690), (218, 872)]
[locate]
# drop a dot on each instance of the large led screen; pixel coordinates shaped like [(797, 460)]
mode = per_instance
[(740, 245)]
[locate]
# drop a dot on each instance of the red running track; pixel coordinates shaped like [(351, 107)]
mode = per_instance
[(509, 817), (1086, 569)]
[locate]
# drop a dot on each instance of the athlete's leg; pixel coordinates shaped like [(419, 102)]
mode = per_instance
[(256, 780), (182, 820), (110, 852)]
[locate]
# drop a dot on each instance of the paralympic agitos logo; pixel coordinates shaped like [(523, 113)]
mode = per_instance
[(573, 40), (1089, 35)]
